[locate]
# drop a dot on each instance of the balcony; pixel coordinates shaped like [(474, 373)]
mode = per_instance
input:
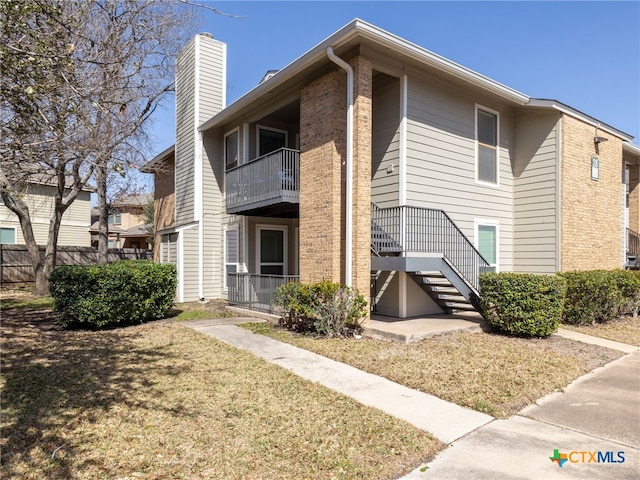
[(268, 185)]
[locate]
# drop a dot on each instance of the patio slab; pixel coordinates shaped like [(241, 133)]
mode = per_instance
[(407, 330)]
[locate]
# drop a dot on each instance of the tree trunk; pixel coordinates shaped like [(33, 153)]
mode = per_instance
[(103, 216)]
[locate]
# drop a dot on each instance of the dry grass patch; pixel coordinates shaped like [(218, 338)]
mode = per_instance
[(623, 329), (495, 374), (162, 401)]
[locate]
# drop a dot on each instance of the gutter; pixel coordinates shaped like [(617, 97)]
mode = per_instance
[(349, 167)]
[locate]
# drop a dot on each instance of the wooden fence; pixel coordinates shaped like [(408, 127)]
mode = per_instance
[(15, 264)]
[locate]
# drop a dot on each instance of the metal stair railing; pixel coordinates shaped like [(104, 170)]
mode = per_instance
[(633, 242), (419, 229)]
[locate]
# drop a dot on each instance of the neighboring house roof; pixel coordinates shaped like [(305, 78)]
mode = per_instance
[(136, 231), (359, 31), (133, 201)]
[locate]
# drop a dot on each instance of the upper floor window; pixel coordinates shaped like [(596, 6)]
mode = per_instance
[(7, 235), (270, 140), (231, 149), (114, 217), (487, 161)]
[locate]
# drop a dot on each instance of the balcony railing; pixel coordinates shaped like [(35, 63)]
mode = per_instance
[(268, 180), (416, 229), (255, 292)]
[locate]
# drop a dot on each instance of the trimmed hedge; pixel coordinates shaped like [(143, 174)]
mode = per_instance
[(522, 304), (324, 308), (597, 296), (115, 294)]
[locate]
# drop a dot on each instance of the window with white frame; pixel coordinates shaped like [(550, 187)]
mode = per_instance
[(231, 149), (7, 235), (115, 217), (270, 140), (271, 249), (487, 158), (487, 232), (231, 251)]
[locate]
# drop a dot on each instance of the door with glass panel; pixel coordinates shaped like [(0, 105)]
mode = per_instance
[(272, 250)]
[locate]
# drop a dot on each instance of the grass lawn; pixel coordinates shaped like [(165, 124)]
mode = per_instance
[(495, 374), (624, 329), (161, 401)]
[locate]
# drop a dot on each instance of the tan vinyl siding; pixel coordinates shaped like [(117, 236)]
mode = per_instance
[(74, 227), (441, 165), (535, 196), (212, 77), (214, 211), (185, 126), (190, 264), (385, 148)]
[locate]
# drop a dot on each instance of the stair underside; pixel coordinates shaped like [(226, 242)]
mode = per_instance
[(448, 290)]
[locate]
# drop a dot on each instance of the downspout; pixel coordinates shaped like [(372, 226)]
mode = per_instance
[(348, 165)]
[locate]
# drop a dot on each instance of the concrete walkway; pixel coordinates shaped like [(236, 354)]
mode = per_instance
[(598, 414)]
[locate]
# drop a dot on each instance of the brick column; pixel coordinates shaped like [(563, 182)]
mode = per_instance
[(323, 127), (362, 133)]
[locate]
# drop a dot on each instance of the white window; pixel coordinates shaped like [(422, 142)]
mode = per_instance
[(231, 149), (115, 217), (168, 248), (270, 140), (7, 235), (271, 249), (487, 234), (231, 251), (487, 155)]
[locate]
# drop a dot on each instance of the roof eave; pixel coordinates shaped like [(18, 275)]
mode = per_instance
[(377, 35), (151, 165), (572, 112)]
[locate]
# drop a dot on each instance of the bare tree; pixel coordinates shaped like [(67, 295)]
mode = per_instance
[(80, 81)]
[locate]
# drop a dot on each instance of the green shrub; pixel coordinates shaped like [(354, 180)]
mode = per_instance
[(119, 293), (324, 308), (522, 304), (597, 296)]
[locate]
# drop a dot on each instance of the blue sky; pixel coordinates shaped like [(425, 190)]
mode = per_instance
[(584, 54)]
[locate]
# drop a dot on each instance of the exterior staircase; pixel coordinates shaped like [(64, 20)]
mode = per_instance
[(435, 253), (442, 291), (633, 250)]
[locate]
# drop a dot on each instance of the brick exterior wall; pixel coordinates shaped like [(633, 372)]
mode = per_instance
[(362, 132), (164, 203), (634, 198), (323, 130), (591, 236)]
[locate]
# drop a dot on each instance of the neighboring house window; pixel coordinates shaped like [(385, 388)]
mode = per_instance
[(487, 157), (487, 242), (115, 217), (270, 140), (271, 249), (7, 235), (231, 149), (231, 251), (114, 243)]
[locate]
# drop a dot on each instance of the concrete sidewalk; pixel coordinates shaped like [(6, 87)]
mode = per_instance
[(445, 420), (600, 412)]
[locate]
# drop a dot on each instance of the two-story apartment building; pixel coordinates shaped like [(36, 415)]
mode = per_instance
[(372, 157), (40, 198)]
